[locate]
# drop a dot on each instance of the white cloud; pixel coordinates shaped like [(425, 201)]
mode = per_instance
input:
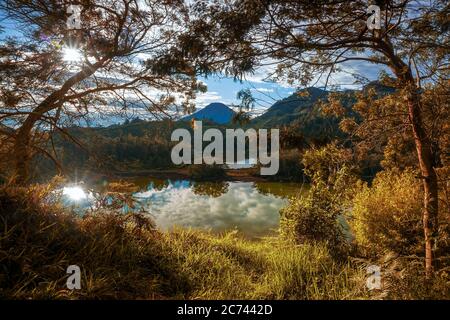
[(208, 97), (242, 206), (263, 90)]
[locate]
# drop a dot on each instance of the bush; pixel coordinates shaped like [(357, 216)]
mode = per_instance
[(405, 279), (319, 216), (229, 267), (206, 172), (120, 255), (323, 164), (291, 168), (314, 218), (388, 215)]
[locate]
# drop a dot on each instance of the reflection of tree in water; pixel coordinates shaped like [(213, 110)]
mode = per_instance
[(262, 189), (156, 184), (280, 189), (212, 189), (160, 184)]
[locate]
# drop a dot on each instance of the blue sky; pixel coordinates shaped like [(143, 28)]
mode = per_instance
[(224, 89)]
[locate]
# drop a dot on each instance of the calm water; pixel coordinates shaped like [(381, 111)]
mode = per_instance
[(250, 207)]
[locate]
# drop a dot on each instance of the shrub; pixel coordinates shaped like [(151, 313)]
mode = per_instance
[(314, 218), (120, 255), (324, 164), (387, 215), (291, 168), (319, 216), (206, 172)]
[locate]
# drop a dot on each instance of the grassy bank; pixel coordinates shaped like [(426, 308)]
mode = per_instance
[(124, 256)]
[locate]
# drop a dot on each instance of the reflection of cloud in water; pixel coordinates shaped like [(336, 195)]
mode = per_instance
[(242, 206)]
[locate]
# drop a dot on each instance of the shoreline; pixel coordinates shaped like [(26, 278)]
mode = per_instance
[(244, 175)]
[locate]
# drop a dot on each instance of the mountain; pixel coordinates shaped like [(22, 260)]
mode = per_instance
[(302, 110), (297, 106), (302, 107), (215, 112)]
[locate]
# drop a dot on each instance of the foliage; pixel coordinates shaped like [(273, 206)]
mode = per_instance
[(42, 92), (116, 195), (290, 167), (122, 257), (204, 172), (302, 112), (387, 215), (318, 216), (404, 279), (138, 145), (323, 164), (314, 218), (118, 254), (312, 41)]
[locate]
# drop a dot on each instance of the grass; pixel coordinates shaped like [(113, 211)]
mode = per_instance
[(125, 257), (230, 267)]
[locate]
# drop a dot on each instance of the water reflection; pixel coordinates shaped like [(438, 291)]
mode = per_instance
[(212, 189), (252, 208), (214, 206)]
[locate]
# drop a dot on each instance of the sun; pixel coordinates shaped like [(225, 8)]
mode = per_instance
[(74, 193), (71, 54)]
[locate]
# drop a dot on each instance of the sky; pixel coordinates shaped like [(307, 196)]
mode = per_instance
[(224, 89), (266, 93)]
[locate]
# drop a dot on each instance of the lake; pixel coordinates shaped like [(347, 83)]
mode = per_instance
[(252, 208)]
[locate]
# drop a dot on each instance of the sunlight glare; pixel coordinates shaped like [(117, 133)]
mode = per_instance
[(71, 54), (74, 193)]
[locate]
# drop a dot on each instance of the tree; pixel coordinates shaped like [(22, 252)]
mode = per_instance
[(309, 40), (56, 72)]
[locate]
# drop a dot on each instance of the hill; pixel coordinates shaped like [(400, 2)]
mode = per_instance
[(303, 111), (215, 112), (302, 107), (292, 108)]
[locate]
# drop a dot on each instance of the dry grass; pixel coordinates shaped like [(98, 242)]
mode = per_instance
[(124, 257)]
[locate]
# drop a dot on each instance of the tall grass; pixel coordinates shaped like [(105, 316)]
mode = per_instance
[(125, 257), (229, 267)]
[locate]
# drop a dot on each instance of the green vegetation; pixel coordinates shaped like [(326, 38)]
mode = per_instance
[(206, 172), (123, 256), (387, 216)]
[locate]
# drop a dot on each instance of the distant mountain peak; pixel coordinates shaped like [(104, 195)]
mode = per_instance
[(216, 112)]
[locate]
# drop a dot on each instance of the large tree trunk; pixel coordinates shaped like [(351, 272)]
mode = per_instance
[(429, 178), (22, 147), (21, 159), (424, 154)]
